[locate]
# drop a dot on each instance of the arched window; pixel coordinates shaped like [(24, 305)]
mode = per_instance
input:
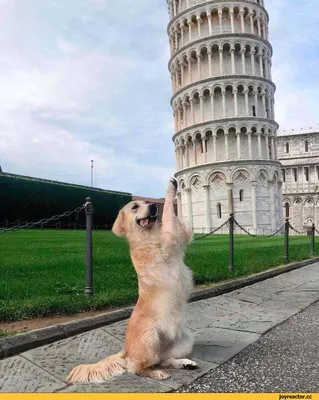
[(306, 146), (241, 195), (283, 175), (219, 210), (254, 111), (287, 210), (287, 147)]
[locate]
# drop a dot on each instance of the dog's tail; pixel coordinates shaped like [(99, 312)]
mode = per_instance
[(104, 370)]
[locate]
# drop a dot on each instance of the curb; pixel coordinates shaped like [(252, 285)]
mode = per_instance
[(13, 345)]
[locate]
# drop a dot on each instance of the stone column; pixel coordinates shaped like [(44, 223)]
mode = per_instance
[(199, 65), (241, 13), (171, 9), (235, 93), (179, 206), (209, 17), (189, 208), (207, 207), (198, 19), (238, 145), (190, 69), (221, 61), (256, 103), (176, 157), (215, 146), (175, 120), (252, 30), (176, 39), (189, 23), (192, 110), (246, 102), (243, 61), (263, 98), (232, 21), (232, 55), (273, 151), (184, 115), (259, 145), (254, 204), (267, 146), (253, 67), (226, 146), (258, 26), (182, 35), (212, 104), (204, 148), (209, 55), (224, 102), (175, 9), (182, 74), (194, 152), (220, 17), (261, 65), (264, 31), (272, 205), (178, 118), (187, 155), (249, 145), (201, 100)]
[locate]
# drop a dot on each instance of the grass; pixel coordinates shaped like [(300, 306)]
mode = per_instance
[(42, 272)]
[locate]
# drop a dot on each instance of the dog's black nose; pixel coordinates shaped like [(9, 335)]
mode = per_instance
[(153, 209)]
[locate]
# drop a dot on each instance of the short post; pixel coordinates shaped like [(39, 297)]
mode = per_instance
[(89, 248), (313, 229), (231, 242), (287, 225)]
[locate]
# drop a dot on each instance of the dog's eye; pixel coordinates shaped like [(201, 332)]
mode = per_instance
[(135, 207)]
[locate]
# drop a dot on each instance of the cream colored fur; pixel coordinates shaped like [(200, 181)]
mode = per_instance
[(155, 334)]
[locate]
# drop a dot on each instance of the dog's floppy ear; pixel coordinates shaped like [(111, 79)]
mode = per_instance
[(118, 226)]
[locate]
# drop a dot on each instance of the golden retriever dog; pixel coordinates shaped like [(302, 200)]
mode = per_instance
[(155, 335)]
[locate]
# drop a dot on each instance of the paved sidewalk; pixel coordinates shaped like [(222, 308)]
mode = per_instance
[(284, 360), (224, 326)]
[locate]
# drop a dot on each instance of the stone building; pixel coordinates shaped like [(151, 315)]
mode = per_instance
[(298, 152), (223, 105)]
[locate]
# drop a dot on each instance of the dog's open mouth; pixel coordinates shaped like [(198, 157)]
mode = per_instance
[(146, 221)]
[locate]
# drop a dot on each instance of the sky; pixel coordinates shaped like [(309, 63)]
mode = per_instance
[(84, 80)]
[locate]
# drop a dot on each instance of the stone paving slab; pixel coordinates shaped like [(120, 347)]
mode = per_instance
[(219, 345), (250, 295), (20, 375), (117, 330), (127, 383), (257, 321), (60, 357)]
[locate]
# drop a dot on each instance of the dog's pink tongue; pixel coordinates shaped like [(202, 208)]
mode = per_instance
[(144, 222)]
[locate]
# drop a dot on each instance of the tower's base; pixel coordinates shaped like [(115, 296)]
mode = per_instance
[(251, 188)]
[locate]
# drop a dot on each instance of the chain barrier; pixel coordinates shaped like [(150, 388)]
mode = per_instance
[(296, 230), (43, 221), (258, 236), (213, 231)]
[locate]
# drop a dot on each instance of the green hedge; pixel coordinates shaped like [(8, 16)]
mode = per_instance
[(32, 199)]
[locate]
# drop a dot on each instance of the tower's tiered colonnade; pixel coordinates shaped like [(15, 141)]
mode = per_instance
[(223, 105)]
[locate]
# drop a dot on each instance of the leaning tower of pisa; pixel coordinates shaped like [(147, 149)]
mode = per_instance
[(224, 120)]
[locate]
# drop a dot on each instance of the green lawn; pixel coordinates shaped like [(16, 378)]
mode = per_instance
[(42, 272)]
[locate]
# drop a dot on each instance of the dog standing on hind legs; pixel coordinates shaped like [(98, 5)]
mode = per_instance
[(155, 336)]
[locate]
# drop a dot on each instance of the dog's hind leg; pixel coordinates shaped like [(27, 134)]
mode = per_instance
[(179, 363), (175, 355), (141, 370)]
